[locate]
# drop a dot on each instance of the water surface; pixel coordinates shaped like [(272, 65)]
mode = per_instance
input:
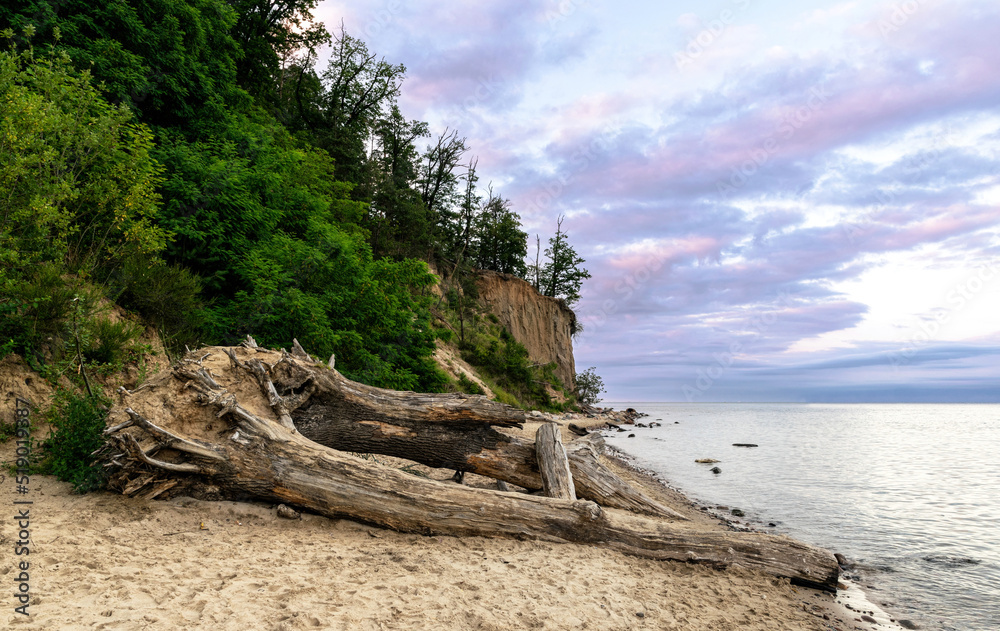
[(911, 491)]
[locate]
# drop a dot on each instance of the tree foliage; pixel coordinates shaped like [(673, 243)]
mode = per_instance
[(172, 61), (78, 189), (589, 386), (500, 243), (191, 160), (338, 109), (269, 32), (562, 275), (77, 176)]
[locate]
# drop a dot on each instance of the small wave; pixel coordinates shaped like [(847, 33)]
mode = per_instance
[(955, 561), (872, 567)]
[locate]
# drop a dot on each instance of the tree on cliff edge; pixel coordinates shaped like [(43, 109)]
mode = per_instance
[(562, 275), (589, 386), (501, 245)]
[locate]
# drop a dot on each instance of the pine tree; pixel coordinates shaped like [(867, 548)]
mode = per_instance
[(501, 245), (562, 275)]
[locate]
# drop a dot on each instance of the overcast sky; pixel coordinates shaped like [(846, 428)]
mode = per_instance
[(777, 201)]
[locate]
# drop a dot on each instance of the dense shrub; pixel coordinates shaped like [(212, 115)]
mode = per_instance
[(79, 194), (77, 424), (108, 341), (166, 296)]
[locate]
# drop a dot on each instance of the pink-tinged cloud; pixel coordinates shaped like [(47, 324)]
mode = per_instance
[(702, 197), (799, 112), (695, 248)]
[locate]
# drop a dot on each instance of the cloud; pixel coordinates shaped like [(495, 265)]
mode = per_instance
[(753, 186)]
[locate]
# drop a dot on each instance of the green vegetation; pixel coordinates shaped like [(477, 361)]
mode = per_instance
[(468, 386), (589, 386), (77, 423), (79, 188), (502, 362), (189, 161), (562, 274)]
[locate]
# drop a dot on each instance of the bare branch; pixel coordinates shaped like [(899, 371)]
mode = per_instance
[(132, 445), (173, 440)]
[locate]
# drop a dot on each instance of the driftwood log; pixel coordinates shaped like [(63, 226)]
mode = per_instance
[(445, 431), (553, 464), (220, 436)]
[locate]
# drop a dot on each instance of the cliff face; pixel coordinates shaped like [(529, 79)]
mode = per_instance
[(543, 325)]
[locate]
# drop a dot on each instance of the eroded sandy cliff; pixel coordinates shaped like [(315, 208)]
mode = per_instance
[(543, 325)]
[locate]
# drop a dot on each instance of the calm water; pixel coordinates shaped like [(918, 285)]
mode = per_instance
[(909, 492)]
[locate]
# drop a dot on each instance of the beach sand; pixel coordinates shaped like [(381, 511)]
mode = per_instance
[(105, 561)]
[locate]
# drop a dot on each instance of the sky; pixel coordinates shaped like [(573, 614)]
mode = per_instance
[(776, 201)]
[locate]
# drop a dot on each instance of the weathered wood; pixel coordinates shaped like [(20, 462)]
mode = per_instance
[(591, 479), (445, 431), (557, 481), (263, 460)]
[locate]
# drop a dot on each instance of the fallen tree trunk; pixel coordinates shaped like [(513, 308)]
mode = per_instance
[(223, 437), (446, 431), (557, 481)]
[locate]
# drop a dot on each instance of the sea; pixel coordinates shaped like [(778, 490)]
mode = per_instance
[(910, 493)]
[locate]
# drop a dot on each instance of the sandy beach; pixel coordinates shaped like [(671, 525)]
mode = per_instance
[(105, 561)]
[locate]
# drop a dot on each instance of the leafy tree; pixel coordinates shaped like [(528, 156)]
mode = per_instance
[(396, 218), (335, 299), (439, 181), (78, 179), (338, 108), (172, 61), (268, 32), (78, 190), (469, 210), (589, 386), (262, 221), (501, 245), (562, 275)]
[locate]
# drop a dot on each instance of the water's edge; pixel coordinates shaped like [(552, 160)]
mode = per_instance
[(941, 556)]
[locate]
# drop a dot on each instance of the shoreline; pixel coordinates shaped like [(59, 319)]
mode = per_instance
[(848, 604), (107, 561)]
